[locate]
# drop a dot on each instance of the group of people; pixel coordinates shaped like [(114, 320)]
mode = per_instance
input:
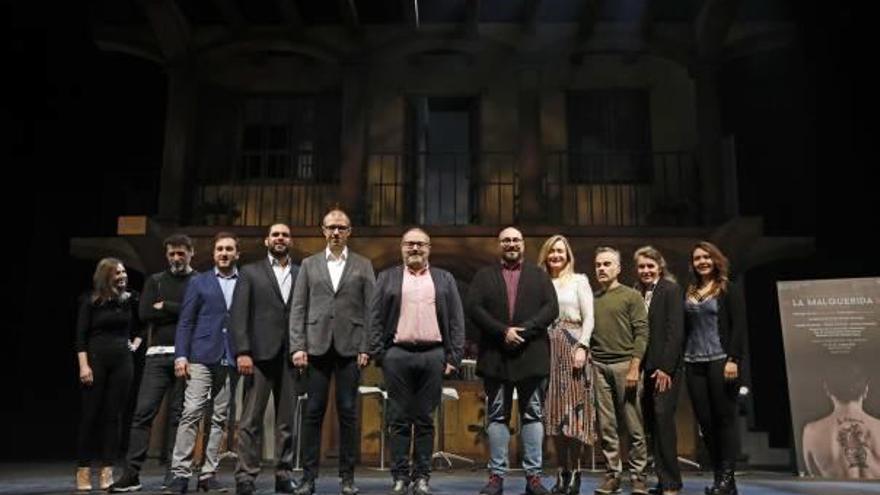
[(570, 356)]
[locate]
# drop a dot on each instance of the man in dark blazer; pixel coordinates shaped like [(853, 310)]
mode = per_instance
[(512, 303), (328, 336), (260, 319), (203, 354), (662, 365), (417, 335)]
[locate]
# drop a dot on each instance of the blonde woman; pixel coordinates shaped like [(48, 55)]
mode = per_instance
[(106, 334), (569, 414)]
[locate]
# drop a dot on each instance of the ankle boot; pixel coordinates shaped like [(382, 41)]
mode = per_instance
[(727, 486), (574, 488), (106, 478), (83, 479), (710, 489), (563, 479)]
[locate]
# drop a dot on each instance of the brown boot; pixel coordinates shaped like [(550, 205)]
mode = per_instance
[(106, 477), (83, 479)]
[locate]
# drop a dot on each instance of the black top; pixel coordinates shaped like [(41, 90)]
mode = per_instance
[(169, 288), (106, 319), (666, 328)]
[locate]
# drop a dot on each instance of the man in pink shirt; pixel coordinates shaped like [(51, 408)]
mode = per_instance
[(417, 336)]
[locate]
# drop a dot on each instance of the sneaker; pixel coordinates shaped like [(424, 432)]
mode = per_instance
[(346, 487), (129, 482), (611, 484), (534, 486), (639, 487), (421, 487), (400, 487), (495, 486)]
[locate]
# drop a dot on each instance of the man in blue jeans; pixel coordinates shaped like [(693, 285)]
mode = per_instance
[(512, 303)]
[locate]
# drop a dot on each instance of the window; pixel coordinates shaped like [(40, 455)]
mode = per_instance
[(609, 137), (294, 139)]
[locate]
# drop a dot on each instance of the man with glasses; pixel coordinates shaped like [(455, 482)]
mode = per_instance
[(512, 303), (417, 334), (328, 336)]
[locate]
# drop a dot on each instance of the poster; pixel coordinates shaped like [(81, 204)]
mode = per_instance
[(832, 353)]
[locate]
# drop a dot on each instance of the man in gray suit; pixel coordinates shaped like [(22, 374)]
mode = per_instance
[(260, 318), (328, 336)]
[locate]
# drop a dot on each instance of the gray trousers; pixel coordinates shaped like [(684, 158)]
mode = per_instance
[(206, 384), (615, 405), (278, 377)]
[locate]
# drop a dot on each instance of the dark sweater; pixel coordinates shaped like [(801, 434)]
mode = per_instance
[(167, 287), (112, 319)]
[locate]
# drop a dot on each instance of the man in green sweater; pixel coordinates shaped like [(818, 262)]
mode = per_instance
[(619, 340)]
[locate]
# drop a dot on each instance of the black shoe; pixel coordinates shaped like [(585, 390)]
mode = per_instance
[(245, 488), (129, 482), (709, 490), (727, 484), (534, 486), (305, 487), (177, 485), (421, 487), (495, 486), (210, 484), (346, 487), (400, 487), (284, 485)]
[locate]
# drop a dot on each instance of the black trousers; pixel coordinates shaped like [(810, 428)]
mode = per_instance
[(714, 401), (659, 413), (320, 370), (158, 380), (414, 381), (104, 400), (278, 377)]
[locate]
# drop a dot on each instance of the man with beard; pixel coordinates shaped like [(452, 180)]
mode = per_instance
[(417, 335), (260, 313), (160, 307), (512, 303), (328, 337)]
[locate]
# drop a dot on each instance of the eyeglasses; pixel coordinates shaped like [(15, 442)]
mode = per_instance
[(340, 228), (415, 244), (511, 240)]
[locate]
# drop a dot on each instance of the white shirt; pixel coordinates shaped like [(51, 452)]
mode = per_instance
[(576, 303), (282, 276), (336, 265)]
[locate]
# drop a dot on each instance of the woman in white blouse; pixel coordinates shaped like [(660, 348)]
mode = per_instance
[(569, 415)]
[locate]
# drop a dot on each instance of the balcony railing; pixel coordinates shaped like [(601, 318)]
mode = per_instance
[(633, 188), (579, 189), (442, 188)]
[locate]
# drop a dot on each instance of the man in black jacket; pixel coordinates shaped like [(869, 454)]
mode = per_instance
[(417, 335), (512, 304), (159, 307), (663, 364), (260, 313)]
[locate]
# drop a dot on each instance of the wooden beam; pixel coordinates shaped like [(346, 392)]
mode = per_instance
[(589, 18), (350, 17), (170, 26), (712, 25), (231, 13), (530, 16)]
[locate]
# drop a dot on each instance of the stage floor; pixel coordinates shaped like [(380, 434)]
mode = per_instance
[(44, 478)]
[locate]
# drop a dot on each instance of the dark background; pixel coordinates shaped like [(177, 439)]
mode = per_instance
[(86, 133)]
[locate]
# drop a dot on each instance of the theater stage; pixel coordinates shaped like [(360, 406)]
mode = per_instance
[(44, 478)]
